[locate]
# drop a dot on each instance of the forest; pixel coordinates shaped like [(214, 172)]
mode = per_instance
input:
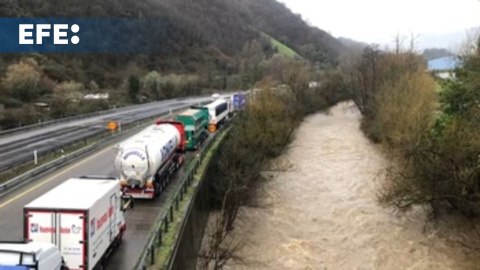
[(206, 46)]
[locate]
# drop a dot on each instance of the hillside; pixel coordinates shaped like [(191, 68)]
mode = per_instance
[(204, 45), (280, 47), (199, 33), (353, 44), (434, 53)]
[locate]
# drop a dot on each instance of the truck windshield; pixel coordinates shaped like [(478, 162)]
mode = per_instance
[(6, 267), (10, 260)]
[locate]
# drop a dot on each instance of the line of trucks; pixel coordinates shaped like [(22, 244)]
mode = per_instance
[(64, 229)]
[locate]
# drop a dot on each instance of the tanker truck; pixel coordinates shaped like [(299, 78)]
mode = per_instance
[(146, 161)]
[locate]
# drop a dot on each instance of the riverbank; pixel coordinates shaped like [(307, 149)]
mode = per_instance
[(319, 210)]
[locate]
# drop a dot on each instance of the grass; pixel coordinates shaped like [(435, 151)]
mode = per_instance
[(168, 238), (282, 48), (163, 253)]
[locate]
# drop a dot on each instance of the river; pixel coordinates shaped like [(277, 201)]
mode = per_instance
[(320, 210)]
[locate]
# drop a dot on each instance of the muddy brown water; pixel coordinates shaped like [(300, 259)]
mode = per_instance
[(320, 210)]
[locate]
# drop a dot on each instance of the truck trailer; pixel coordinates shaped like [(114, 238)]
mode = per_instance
[(239, 101), (219, 112), (146, 161), (83, 217), (195, 121)]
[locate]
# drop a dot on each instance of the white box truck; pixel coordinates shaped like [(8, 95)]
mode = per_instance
[(83, 217), (28, 256)]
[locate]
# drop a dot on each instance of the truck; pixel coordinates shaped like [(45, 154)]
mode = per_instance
[(195, 121), (239, 101), (219, 112), (145, 162), (83, 217), (19, 255)]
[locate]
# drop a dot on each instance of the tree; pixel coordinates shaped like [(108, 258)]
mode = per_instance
[(251, 57), (260, 132), (133, 88), (22, 80), (65, 95), (93, 86), (152, 83)]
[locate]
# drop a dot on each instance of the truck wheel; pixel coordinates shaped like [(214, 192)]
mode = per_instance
[(118, 241), (101, 265), (157, 188)]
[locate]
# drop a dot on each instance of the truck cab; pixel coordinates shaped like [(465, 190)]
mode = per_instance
[(29, 256)]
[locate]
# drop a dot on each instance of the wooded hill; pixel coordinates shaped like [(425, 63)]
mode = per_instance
[(205, 37)]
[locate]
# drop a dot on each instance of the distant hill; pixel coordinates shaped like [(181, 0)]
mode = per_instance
[(434, 53), (353, 44)]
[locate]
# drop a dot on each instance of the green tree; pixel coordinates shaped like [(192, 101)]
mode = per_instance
[(133, 88)]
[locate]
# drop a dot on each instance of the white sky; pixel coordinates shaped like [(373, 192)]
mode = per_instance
[(438, 23)]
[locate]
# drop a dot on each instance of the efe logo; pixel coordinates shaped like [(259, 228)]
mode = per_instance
[(43, 30)]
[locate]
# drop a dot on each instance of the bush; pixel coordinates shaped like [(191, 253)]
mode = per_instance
[(11, 102), (405, 111), (444, 172), (24, 115)]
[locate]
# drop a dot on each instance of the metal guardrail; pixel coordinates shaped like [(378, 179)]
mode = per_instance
[(35, 173), (30, 158), (156, 241), (26, 158), (61, 120), (81, 116)]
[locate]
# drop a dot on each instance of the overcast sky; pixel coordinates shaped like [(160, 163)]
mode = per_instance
[(438, 23)]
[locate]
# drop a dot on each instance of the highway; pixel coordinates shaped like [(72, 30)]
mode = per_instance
[(139, 220), (18, 148)]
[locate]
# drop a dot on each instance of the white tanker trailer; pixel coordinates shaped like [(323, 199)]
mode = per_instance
[(146, 161), (144, 131)]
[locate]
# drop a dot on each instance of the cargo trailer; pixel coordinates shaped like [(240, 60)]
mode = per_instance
[(83, 217), (196, 123)]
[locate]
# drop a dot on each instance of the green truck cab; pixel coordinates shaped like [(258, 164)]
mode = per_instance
[(195, 120)]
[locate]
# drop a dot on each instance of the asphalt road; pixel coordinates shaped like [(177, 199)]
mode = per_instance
[(18, 148), (139, 220)]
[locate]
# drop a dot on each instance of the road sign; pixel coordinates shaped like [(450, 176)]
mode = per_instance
[(212, 128), (112, 125)]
